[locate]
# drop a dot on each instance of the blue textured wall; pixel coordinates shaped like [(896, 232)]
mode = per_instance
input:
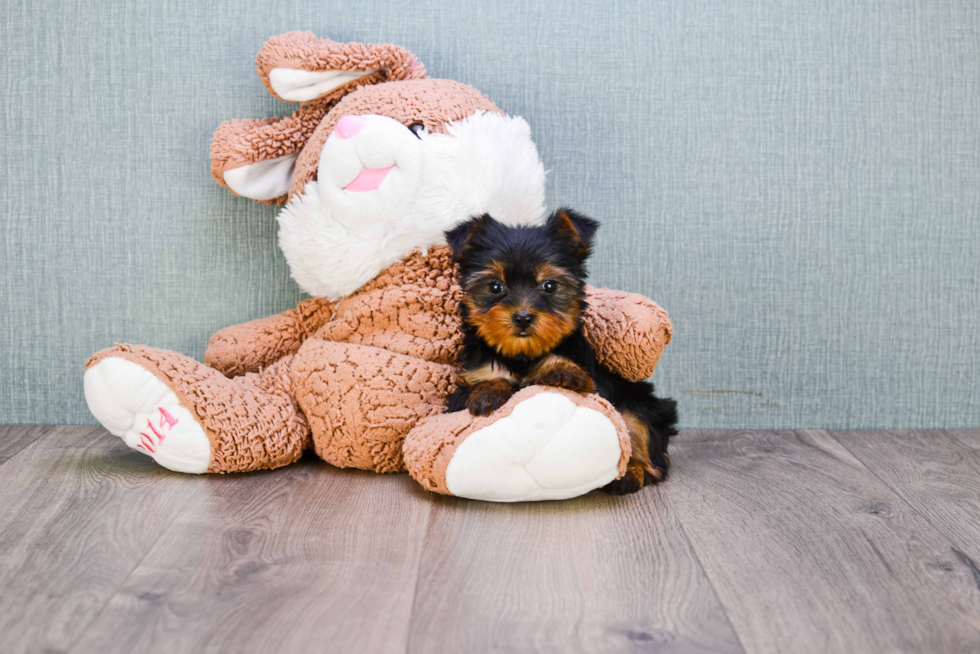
[(798, 183)]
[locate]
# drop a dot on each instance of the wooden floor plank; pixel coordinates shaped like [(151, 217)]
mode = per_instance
[(78, 510), (594, 574), (810, 552), (937, 472), (968, 438), (14, 438), (305, 558)]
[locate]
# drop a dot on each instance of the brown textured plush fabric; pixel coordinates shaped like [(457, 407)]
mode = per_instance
[(628, 331), (252, 346), (252, 422), (361, 401), (430, 447), (410, 308), (306, 51)]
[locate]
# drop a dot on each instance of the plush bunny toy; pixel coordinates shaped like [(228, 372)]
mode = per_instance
[(374, 166)]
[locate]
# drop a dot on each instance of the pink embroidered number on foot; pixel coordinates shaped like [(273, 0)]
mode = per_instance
[(150, 443), (135, 405)]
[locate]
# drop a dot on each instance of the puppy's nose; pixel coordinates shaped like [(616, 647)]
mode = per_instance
[(523, 319), (349, 126)]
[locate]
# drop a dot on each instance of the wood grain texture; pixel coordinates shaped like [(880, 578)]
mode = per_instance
[(78, 511), (14, 438), (594, 574), (937, 472), (777, 542), (305, 558), (810, 552)]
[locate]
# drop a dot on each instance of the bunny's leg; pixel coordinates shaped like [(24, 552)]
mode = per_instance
[(361, 401), (191, 418)]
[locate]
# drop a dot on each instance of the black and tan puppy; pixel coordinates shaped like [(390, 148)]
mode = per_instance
[(523, 296)]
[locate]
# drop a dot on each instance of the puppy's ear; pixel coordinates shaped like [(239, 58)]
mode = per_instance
[(460, 236), (572, 225)]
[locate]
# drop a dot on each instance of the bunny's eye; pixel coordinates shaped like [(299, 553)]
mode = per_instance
[(418, 129)]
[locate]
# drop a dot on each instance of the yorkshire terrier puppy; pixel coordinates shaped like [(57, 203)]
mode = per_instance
[(523, 298)]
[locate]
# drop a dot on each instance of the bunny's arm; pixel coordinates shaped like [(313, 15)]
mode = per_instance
[(628, 331), (252, 346)]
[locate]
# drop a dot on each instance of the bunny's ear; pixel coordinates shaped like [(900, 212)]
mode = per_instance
[(299, 67), (255, 158)]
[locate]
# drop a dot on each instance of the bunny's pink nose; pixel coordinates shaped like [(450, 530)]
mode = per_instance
[(349, 126)]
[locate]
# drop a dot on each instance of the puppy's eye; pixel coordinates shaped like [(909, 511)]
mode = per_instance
[(496, 288), (549, 287), (418, 129)]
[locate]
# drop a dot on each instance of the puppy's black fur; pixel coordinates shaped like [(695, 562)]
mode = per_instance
[(522, 306)]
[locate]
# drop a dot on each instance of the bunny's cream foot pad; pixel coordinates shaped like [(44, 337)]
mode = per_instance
[(135, 405), (544, 444)]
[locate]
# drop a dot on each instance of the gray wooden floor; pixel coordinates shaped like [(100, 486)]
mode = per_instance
[(759, 542)]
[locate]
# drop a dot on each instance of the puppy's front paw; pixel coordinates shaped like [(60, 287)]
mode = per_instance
[(571, 378), (488, 396)]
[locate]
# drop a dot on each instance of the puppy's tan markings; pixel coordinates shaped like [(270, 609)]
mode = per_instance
[(639, 442), (568, 228), (496, 270), (487, 372), (548, 271), (639, 469)]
